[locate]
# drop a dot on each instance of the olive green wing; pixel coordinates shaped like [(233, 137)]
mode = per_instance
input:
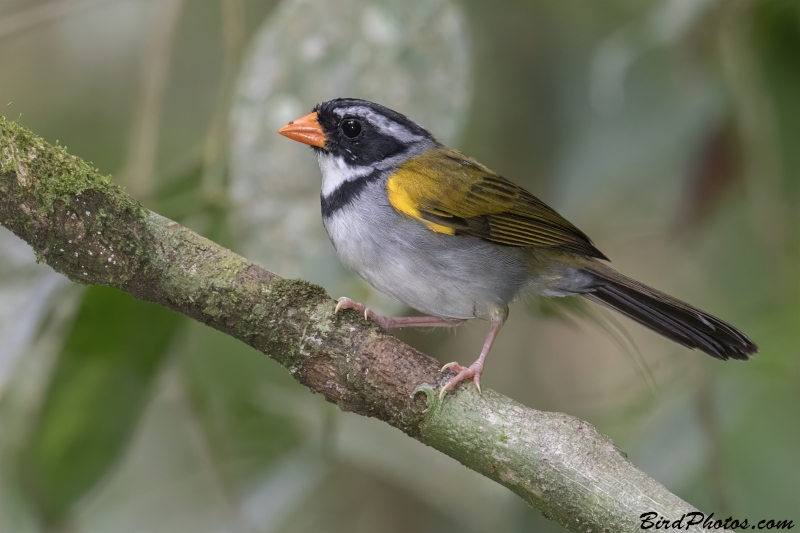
[(456, 195)]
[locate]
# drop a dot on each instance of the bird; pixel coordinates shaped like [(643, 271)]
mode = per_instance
[(447, 236)]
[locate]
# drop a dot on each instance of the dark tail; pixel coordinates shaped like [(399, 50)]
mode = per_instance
[(668, 316)]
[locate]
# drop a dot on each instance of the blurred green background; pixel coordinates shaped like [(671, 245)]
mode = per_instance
[(668, 130)]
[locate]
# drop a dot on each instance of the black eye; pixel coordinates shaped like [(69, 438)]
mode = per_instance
[(351, 127)]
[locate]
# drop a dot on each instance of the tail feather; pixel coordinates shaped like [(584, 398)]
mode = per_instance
[(668, 316)]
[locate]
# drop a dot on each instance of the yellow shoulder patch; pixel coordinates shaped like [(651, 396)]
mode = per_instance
[(404, 195)]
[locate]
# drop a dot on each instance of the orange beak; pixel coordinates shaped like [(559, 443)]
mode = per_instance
[(305, 130)]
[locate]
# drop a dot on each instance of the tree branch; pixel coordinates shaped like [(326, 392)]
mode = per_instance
[(88, 229)]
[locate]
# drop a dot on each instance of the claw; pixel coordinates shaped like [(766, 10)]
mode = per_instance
[(366, 313), (449, 366), (476, 379), (339, 304), (462, 374)]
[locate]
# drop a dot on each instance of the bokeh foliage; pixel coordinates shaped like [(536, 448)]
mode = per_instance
[(100, 384), (667, 130)]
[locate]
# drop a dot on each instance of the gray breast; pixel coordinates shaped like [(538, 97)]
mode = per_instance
[(437, 274)]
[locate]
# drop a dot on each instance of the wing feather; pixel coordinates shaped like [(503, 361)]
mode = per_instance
[(454, 194)]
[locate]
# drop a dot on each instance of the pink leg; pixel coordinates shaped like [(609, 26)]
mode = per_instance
[(474, 370), (398, 322)]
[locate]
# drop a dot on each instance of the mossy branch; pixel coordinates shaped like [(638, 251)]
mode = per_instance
[(88, 229)]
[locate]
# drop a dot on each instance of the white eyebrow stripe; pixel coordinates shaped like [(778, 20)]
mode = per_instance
[(383, 124)]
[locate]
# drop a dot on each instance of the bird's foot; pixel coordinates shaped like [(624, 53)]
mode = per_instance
[(472, 372), (387, 322), (346, 303)]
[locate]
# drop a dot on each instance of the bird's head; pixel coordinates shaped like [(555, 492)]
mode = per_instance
[(359, 133)]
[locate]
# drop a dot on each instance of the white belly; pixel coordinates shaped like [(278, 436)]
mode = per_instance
[(437, 274)]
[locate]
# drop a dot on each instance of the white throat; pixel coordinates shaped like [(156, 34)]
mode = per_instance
[(335, 172)]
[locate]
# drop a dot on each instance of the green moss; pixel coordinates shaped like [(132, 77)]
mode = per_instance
[(50, 173), (299, 290)]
